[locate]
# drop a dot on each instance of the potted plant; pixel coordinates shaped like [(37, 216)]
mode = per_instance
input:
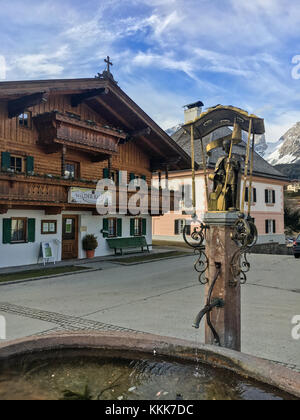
[(89, 244)]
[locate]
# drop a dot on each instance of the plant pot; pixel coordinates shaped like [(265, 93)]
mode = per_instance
[(90, 254)]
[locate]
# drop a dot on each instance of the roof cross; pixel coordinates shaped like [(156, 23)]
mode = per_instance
[(109, 63)]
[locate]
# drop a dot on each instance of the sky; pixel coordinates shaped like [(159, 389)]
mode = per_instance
[(166, 53)]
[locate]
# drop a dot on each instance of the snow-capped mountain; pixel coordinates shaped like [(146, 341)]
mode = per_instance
[(174, 130), (261, 145), (287, 149)]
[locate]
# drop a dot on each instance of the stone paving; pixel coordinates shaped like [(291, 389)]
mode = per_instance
[(64, 322)]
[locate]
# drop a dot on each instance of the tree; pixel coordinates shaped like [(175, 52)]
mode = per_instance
[(292, 219)]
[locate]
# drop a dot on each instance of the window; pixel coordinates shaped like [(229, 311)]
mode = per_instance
[(72, 170), (17, 164), (24, 120), (179, 226), (112, 228), (270, 196), (138, 227), (49, 227), (18, 230), (253, 195), (270, 227)]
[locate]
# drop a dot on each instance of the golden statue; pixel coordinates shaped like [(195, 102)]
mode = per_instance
[(227, 174), (226, 177)]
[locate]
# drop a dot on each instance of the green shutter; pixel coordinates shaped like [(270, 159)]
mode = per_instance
[(31, 230), (6, 231), (119, 228), (29, 164), (144, 177), (105, 173), (131, 227), (105, 228), (5, 161), (144, 227), (131, 177)]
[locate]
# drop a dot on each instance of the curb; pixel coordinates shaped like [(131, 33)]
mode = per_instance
[(8, 283)]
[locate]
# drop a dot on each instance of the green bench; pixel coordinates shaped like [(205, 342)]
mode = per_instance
[(126, 243)]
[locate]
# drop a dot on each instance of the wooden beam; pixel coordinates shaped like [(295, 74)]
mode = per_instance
[(18, 106), (52, 211), (123, 121), (144, 132), (3, 209), (82, 97)]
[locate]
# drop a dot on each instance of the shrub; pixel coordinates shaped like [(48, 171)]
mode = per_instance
[(90, 243)]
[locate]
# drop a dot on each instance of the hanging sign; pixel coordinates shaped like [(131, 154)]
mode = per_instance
[(83, 196)]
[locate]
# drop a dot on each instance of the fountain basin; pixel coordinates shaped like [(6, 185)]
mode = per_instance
[(146, 367)]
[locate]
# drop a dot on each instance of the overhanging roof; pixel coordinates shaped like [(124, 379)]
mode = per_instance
[(117, 108)]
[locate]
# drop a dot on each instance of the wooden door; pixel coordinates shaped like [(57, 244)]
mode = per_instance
[(69, 237)]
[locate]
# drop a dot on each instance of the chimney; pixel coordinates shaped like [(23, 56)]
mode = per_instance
[(192, 111)]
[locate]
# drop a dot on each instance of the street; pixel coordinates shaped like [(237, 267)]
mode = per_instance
[(160, 297)]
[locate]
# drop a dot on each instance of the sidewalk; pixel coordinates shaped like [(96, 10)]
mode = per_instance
[(90, 262)]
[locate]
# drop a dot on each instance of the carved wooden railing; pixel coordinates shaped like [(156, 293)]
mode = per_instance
[(56, 128), (50, 192)]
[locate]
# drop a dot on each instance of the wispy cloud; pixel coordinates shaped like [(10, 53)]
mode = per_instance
[(166, 52)]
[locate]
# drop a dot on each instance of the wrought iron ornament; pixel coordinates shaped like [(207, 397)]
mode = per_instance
[(198, 237), (245, 236)]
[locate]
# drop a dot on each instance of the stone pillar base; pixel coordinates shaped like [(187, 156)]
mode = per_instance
[(220, 249)]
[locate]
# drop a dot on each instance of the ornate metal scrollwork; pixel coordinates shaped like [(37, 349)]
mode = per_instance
[(198, 237), (245, 236)]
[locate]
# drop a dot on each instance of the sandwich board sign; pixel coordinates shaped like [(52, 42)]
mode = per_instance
[(46, 252)]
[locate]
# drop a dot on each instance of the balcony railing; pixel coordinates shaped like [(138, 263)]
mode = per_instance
[(25, 191), (55, 128)]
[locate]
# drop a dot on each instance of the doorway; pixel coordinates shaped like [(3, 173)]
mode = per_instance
[(69, 237)]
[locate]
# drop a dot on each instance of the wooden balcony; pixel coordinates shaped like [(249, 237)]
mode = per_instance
[(57, 129), (53, 196)]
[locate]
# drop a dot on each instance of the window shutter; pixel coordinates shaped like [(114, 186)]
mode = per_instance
[(144, 177), (105, 173), (274, 226), (6, 231), (131, 177), (118, 180), (119, 228), (176, 227), (31, 230), (267, 226), (266, 196), (5, 161), (274, 196), (29, 164), (144, 227), (105, 228), (254, 195), (131, 227), (247, 195)]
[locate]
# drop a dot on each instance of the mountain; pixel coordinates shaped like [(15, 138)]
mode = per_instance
[(261, 145), (287, 150), (174, 130)]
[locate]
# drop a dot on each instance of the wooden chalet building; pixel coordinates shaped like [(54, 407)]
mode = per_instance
[(58, 139)]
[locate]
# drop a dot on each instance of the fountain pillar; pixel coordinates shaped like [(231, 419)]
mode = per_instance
[(220, 251)]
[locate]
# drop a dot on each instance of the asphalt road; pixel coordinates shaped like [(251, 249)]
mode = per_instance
[(162, 298)]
